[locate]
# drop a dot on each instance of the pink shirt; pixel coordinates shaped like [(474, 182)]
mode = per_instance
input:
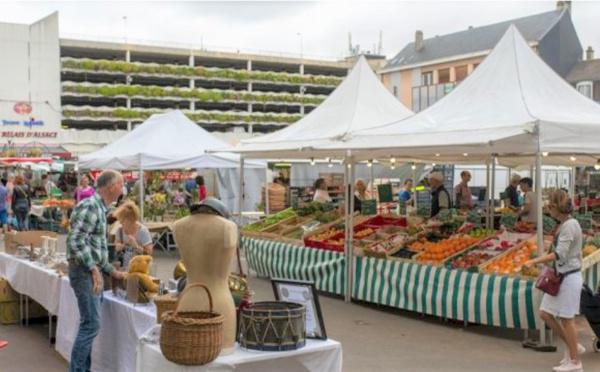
[(202, 193), (463, 196), (81, 194)]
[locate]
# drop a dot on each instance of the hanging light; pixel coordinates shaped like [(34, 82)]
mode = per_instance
[(349, 165), (597, 165), (370, 163), (312, 161), (433, 164), (437, 155), (545, 153), (413, 166), (392, 167), (393, 160), (465, 154), (330, 165), (573, 158)]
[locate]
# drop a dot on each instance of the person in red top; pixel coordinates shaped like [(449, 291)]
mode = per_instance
[(463, 193), (202, 193)]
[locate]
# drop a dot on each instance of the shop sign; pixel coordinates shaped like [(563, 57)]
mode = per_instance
[(28, 134)]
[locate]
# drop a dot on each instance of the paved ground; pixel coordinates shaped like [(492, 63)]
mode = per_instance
[(373, 338)]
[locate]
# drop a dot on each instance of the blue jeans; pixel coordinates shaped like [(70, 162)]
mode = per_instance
[(22, 219), (89, 318)]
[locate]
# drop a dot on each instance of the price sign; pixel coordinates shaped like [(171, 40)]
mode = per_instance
[(368, 207)]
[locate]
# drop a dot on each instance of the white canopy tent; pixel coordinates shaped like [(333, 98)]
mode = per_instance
[(165, 141), (513, 104), (358, 103)]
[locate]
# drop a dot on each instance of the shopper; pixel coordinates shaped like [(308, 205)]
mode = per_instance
[(87, 253), (406, 194), (3, 207), (132, 238), (566, 258), (529, 210), (84, 190), (21, 203), (321, 194), (462, 192), (512, 194), (48, 185), (202, 192), (440, 197)]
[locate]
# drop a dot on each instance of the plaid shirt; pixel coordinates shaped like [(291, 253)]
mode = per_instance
[(86, 241)]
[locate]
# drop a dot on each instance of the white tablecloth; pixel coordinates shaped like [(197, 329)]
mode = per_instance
[(316, 356), (121, 327), (33, 280)]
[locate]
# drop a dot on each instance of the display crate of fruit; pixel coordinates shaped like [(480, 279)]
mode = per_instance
[(487, 249), (511, 262), (386, 220), (436, 253), (387, 247)]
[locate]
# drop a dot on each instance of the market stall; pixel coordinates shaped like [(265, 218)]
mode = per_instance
[(533, 117)]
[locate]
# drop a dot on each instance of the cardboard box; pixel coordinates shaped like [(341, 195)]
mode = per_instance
[(7, 294), (9, 312)]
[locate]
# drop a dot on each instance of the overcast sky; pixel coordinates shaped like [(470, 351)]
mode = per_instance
[(319, 28)]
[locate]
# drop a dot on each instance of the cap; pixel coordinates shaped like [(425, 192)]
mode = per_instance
[(436, 176)]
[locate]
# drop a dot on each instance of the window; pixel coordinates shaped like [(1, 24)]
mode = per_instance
[(460, 73), (444, 76), (586, 88), (427, 78), (395, 91)]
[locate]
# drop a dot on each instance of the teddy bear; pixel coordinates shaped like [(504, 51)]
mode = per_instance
[(139, 267)]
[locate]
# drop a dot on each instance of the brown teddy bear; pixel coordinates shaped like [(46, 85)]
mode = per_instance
[(139, 267)]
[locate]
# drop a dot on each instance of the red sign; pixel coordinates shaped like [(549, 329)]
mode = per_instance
[(22, 108)]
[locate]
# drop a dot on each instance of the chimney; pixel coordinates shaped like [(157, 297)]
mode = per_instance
[(589, 54), (563, 5), (419, 40)]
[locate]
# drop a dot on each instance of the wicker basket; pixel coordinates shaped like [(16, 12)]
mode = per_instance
[(194, 337), (164, 303)]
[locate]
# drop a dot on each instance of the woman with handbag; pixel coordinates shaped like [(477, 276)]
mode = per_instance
[(21, 203), (564, 303)]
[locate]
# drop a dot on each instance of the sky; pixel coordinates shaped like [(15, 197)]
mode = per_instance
[(315, 29)]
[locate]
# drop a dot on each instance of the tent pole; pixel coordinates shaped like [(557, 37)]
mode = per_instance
[(142, 189), (372, 180), (540, 224), (414, 194), (487, 194), (572, 184), (348, 226), (493, 192), (267, 190), (241, 190)]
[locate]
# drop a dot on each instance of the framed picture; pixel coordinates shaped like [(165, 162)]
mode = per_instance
[(303, 293)]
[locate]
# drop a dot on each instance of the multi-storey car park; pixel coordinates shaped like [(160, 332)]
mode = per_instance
[(108, 85)]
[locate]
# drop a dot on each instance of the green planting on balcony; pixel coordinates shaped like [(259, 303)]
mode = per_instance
[(210, 73), (123, 113), (202, 95)]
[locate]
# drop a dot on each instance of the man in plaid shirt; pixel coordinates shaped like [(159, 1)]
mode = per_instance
[(87, 253)]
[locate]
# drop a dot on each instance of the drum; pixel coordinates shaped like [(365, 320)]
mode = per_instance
[(273, 326)]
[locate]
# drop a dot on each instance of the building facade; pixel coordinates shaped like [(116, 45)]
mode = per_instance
[(585, 76), (426, 70)]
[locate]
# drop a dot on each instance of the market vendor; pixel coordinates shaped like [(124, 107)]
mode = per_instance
[(440, 197), (512, 194), (361, 192), (132, 238), (406, 194), (462, 193), (321, 193), (529, 210)]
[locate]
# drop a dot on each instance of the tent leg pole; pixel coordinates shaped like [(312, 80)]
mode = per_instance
[(267, 190), (348, 210), (372, 174), (142, 189), (572, 184), (414, 178), (540, 225), (241, 190), (493, 192), (487, 194)]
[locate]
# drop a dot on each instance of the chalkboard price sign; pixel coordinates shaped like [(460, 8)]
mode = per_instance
[(368, 207), (385, 193)]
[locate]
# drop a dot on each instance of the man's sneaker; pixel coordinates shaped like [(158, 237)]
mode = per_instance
[(569, 366), (580, 350)]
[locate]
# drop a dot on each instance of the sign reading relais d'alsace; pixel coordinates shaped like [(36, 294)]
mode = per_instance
[(23, 121)]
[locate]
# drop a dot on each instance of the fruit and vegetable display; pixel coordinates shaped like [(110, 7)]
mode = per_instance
[(512, 262), (270, 220), (471, 259), (59, 203), (390, 246), (363, 233), (481, 233), (437, 252), (524, 227)]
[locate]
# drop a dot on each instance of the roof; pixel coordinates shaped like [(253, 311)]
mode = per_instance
[(585, 70), (477, 39)]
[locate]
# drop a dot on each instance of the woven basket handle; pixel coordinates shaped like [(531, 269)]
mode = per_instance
[(188, 287)]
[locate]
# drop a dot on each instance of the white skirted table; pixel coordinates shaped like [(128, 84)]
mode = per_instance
[(122, 325), (316, 356)]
